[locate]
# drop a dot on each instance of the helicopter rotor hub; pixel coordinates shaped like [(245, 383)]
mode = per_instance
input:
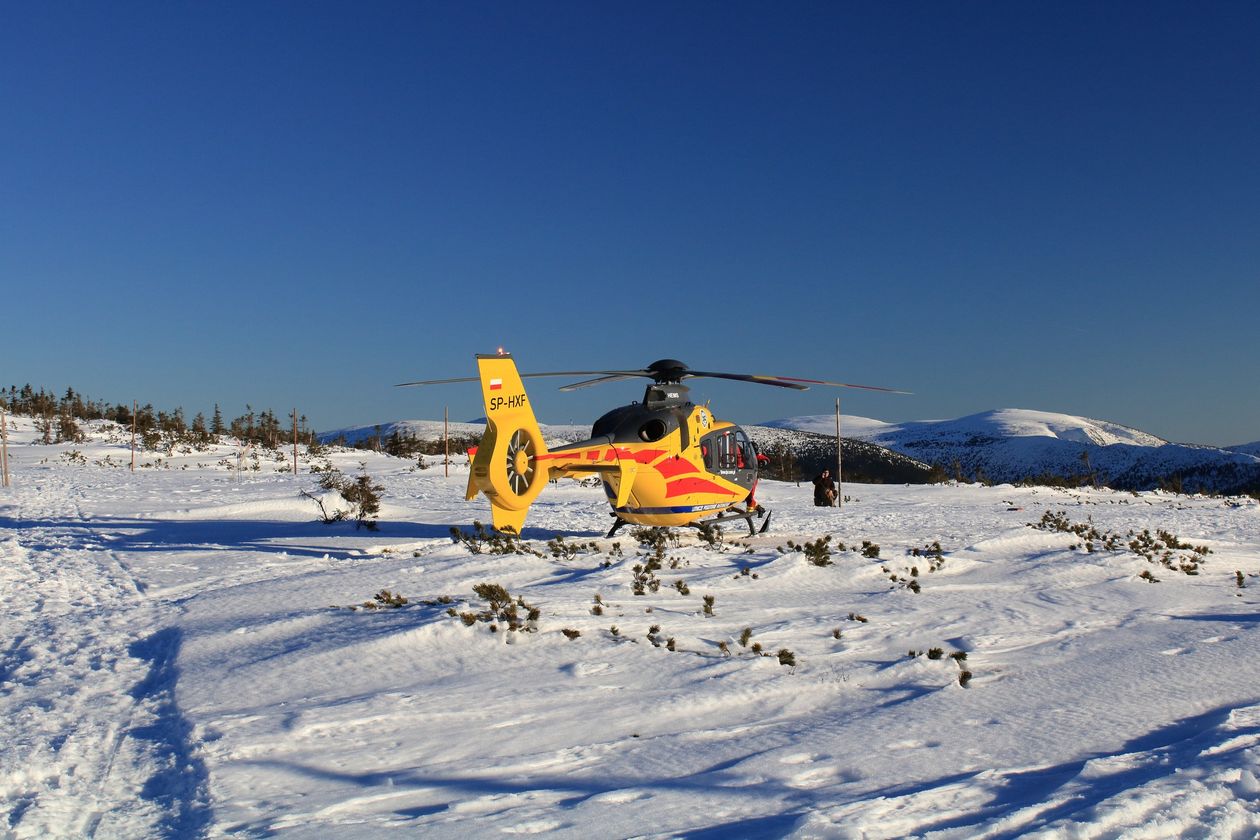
[(665, 371)]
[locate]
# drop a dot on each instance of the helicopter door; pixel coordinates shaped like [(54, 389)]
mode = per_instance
[(730, 453)]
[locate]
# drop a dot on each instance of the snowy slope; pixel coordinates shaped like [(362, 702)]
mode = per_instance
[(1011, 444), (180, 660), (808, 453)]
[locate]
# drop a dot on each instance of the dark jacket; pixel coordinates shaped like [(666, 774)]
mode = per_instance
[(824, 486)]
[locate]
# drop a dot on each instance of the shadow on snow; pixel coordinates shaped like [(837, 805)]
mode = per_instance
[(180, 785)]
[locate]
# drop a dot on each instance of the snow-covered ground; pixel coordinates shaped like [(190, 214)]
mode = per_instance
[(179, 659)]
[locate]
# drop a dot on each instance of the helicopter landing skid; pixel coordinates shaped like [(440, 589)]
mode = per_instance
[(747, 517), (616, 525), (759, 512)]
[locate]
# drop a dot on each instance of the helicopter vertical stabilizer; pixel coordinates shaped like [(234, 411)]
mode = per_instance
[(506, 467)]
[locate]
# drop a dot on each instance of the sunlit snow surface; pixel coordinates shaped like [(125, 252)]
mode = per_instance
[(178, 660)]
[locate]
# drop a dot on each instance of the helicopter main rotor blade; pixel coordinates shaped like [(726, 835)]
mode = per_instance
[(616, 377), (788, 381), (620, 374), (845, 385), (748, 377), (439, 381), (674, 371)]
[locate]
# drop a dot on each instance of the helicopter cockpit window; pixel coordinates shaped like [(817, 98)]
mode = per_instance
[(726, 451), (745, 453)]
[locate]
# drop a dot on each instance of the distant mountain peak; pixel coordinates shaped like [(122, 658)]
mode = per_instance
[(1010, 444)]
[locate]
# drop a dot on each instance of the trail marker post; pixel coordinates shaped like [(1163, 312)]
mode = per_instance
[(4, 447), (839, 460)]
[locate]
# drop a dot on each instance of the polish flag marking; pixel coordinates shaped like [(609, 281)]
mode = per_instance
[(496, 384)]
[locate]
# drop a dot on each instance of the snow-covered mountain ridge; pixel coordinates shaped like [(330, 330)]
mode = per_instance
[(1011, 444)]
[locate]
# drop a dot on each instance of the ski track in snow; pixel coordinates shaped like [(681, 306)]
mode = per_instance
[(178, 661), (87, 673)]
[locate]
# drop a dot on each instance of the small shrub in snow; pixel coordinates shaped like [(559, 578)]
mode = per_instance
[(934, 553), (711, 536), (501, 607), (571, 634), (1161, 547), (74, 456), (870, 549), (361, 493), (655, 540), (964, 678), (909, 580), (389, 600), (786, 657), (708, 604), (482, 541), (324, 516), (644, 577), (682, 587), (563, 550), (935, 653), (494, 593), (744, 636), (817, 552), (856, 617)]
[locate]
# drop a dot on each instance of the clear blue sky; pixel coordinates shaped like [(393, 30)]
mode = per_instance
[(1037, 205)]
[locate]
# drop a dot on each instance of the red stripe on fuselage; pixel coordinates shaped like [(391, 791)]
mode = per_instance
[(673, 467), (683, 486)]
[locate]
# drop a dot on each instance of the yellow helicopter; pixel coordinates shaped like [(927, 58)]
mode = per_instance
[(664, 461)]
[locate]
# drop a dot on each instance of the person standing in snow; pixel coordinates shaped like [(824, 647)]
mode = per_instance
[(825, 490)]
